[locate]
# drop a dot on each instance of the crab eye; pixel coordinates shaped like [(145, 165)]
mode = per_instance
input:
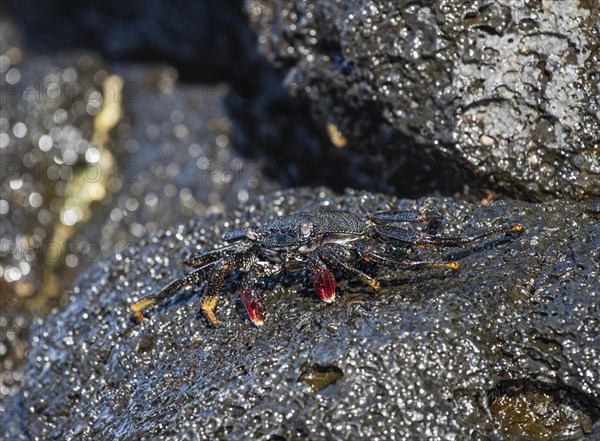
[(305, 228), (251, 234)]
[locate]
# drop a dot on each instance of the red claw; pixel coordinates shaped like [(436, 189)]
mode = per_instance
[(324, 282), (255, 310)]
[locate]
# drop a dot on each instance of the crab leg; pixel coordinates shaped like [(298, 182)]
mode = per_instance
[(340, 258), (390, 260), (240, 258), (199, 259), (431, 218), (170, 290), (213, 290), (421, 239), (245, 261)]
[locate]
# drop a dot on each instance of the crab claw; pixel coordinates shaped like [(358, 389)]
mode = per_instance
[(324, 281), (255, 310)]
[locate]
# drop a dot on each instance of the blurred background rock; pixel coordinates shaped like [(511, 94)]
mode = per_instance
[(121, 118)]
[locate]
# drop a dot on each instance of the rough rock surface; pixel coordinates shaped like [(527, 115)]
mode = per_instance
[(507, 91), (511, 343)]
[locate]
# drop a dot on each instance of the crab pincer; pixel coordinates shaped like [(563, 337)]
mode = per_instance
[(323, 280), (248, 293)]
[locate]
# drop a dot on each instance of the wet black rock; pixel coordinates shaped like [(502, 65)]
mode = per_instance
[(514, 337), (270, 126), (507, 92)]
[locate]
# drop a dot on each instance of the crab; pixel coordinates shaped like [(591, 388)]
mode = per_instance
[(320, 241)]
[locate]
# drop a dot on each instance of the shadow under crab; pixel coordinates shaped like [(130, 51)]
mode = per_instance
[(319, 241)]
